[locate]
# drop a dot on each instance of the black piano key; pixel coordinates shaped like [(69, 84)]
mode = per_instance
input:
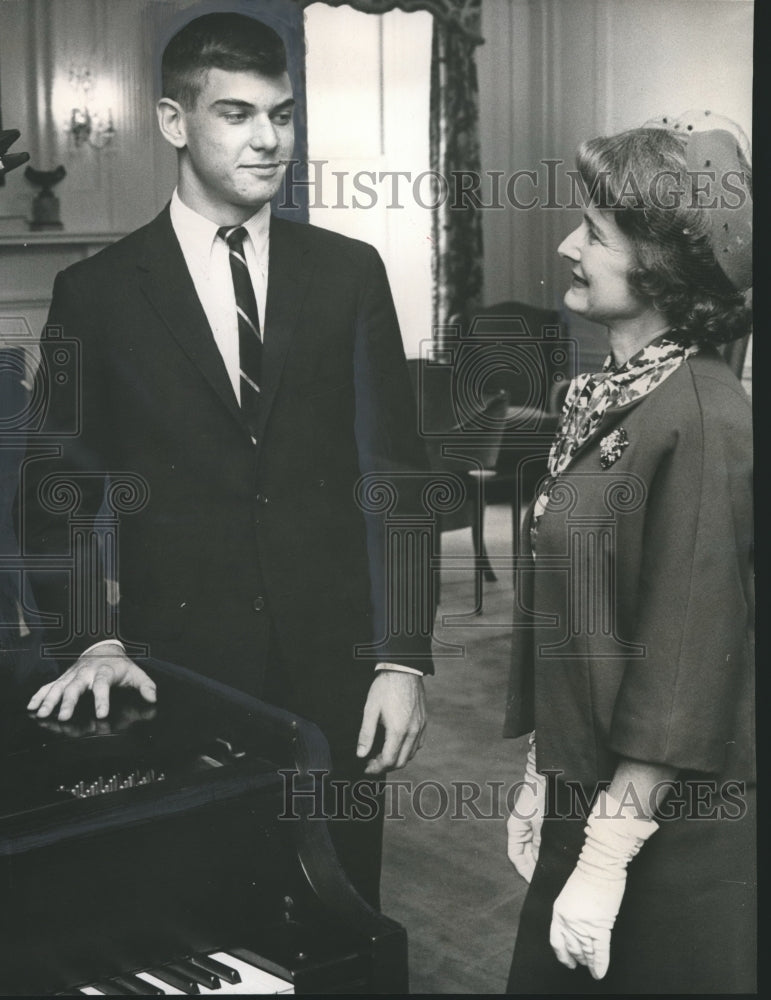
[(184, 968), (138, 987), (248, 956), (180, 982), (231, 976), (111, 988)]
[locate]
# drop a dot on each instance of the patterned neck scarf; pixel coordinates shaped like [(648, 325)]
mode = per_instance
[(592, 395)]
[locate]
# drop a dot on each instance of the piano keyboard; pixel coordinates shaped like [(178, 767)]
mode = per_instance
[(219, 973)]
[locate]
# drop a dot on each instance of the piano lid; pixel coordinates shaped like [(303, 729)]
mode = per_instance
[(60, 779)]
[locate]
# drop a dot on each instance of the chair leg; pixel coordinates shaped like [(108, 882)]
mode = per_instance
[(478, 536), (483, 570), (514, 524), (489, 572)]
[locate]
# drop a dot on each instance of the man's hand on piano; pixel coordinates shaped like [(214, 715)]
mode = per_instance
[(398, 700), (98, 669)]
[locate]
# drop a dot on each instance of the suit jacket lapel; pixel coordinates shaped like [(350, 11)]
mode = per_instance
[(167, 284), (289, 270)]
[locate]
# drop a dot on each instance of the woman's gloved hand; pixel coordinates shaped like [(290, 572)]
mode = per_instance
[(526, 818), (585, 911)]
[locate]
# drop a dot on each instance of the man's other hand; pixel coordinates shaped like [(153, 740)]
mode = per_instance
[(398, 700), (97, 670)]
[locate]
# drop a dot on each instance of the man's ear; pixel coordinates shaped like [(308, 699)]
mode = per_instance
[(171, 121)]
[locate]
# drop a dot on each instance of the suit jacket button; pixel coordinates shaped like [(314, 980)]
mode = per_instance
[(258, 603)]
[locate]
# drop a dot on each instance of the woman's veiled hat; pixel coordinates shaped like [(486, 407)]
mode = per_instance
[(719, 151)]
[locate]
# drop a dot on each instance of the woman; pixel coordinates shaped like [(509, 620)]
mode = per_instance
[(632, 659)]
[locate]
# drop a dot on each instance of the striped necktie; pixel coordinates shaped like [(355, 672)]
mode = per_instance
[(249, 339)]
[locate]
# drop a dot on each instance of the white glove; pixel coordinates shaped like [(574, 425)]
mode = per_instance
[(526, 818), (585, 911)]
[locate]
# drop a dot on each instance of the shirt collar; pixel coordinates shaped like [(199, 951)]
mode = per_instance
[(258, 227), (196, 233)]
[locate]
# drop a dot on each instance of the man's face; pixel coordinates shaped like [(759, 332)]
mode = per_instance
[(237, 139)]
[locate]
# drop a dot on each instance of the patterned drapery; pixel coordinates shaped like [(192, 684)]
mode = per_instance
[(460, 14), (454, 147)]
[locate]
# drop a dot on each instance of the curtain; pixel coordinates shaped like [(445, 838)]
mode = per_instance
[(454, 147), (464, 15)]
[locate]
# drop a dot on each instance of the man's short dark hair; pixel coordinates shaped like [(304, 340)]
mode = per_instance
[(227, 41)]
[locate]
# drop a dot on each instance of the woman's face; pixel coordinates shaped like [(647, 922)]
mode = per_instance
[(602, 257)]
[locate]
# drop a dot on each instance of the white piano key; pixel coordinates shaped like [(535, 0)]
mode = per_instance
[(170, 990), (253, 980)]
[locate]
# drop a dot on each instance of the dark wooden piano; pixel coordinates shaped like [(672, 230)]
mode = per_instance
[(158, 851)]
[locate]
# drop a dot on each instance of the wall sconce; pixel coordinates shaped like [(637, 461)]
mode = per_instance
[(87, 123)]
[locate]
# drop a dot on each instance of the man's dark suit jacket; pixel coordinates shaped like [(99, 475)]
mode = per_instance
[(234, 535)]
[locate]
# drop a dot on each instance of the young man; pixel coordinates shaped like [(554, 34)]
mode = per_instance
[(250, 370)]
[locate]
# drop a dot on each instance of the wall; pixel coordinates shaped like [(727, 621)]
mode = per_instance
[(109, 190), (554, 72)]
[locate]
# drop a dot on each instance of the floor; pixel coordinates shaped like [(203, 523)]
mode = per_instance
[(446, 877)]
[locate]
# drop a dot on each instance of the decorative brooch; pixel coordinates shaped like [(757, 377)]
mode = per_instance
[(611, 447)]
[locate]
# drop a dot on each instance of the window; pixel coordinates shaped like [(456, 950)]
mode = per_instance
[(368, 78)]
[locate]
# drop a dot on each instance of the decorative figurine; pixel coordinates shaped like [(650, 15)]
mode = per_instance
[(45, 207)]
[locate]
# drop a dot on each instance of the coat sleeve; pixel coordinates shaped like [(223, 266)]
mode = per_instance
[(684, 703), (392, 461), (62, 481)]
